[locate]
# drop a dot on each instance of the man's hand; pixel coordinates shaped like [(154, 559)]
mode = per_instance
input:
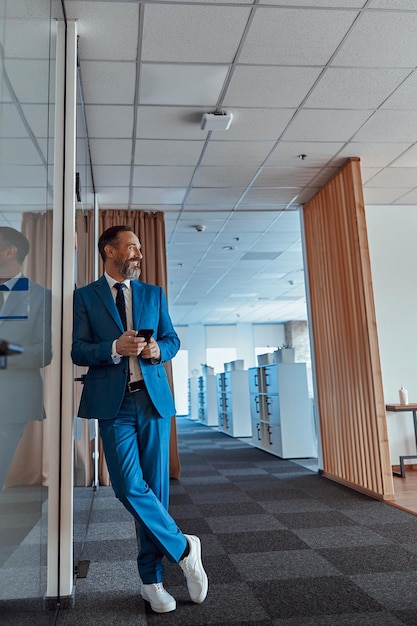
[(130, 345), (151, 350)]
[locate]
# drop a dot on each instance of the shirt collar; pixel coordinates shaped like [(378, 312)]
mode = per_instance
[(111, 281), (12, 281)]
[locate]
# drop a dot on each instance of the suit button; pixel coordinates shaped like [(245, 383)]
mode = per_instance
[(124, 371)]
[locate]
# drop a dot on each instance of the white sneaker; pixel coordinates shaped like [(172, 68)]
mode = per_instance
[(158, 597), (192, 566)]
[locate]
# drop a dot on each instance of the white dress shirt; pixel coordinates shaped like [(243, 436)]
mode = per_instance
[(135, 372)]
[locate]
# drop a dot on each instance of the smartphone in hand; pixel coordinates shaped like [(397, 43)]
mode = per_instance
[(146, 333)]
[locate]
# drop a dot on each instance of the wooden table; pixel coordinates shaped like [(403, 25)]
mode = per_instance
[(398, 408)]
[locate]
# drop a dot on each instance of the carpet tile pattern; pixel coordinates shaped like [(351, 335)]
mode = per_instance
[(282, 546)]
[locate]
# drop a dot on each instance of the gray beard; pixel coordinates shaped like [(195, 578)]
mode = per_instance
[(129, 272)]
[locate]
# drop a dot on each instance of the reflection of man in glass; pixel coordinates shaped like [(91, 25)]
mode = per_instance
[(25, 319)]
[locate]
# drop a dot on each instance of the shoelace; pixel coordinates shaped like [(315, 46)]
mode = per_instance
[(158, 587), (187, 568)]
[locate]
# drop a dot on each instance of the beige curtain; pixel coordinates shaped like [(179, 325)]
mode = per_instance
[(30, 465), (31, 462), (150, 228)]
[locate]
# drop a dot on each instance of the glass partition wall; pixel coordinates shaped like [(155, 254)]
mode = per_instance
[(85, 431), (31, 319)]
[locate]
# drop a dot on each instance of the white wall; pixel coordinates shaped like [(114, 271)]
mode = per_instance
[(272, 335), (392, 233), (244, 337)]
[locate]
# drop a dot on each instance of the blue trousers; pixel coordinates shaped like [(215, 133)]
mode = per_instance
[(136, 446)]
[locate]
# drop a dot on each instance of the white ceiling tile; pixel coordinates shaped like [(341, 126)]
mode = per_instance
[(287, 153), (95, 18), (119, 175), (27, 39), (220, 2), (23, 176), (354, 88), (405, 97), (337, 4), (198, 85), (22, 152), (389, 126), (111, 82), (288, 37), (11, 122), (331, 125), (11, 218), (395, 177), (377, 154), (111, 151), (214, 196), (213, 176), (167, 152), (381, 195), (214, 219), (407, 158), (406, 5), (154, 176), (163, 122), (272, 195), (39, 118), (237, 152), (256, 124), (214, 214), (5, 94), (270, 86), (113, 197), (280, 177), (109, 121), (158, 195), (29, 79), (325, 174), (374, 41), (183, 33), (368, 173), (408, 198), (21, 8), (35, 196)]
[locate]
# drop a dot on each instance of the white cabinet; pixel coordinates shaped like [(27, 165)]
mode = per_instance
[(193, 398), (233, 403), (281, 410), (207, 400)]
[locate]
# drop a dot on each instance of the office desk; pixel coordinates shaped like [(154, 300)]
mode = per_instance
[(397, 408)]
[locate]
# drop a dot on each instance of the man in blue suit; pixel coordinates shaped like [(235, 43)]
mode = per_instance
[(25, 319), (127, 390)]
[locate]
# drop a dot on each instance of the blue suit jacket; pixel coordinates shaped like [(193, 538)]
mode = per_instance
[(21, 384), (97, 324)]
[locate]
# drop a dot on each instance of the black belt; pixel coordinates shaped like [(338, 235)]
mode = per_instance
[(137, 385)]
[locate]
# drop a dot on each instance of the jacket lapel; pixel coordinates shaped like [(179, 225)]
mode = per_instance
[(137, 302)]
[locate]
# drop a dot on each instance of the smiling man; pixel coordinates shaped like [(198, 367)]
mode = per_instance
[(127, 390)]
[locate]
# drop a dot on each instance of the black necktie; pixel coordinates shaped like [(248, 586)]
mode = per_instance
[(121, 303)]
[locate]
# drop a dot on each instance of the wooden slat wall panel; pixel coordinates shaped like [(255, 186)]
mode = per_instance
[(343, 326)]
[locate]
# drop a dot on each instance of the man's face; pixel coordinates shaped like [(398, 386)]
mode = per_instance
[(126, 255)]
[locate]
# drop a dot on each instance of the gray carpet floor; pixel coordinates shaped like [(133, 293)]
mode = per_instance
[(282, 546)]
